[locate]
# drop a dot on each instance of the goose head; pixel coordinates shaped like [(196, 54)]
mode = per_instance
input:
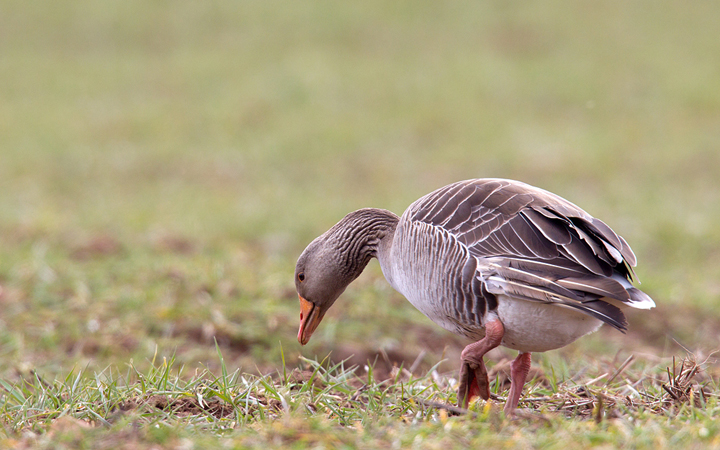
[(321, 276), (333, 260)]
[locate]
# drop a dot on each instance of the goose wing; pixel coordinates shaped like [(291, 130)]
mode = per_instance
[(535, 245)]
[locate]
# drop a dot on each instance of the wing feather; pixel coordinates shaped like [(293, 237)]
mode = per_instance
[(604, 287), (535, 245), (608, 313), (553, 230)]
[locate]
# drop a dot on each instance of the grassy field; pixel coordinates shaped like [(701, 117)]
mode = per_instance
[(163, 164)]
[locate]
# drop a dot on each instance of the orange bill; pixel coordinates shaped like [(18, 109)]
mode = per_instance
[(310, 317)]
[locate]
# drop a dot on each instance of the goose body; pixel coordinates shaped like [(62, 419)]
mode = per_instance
[(497, 261), (530, 326)]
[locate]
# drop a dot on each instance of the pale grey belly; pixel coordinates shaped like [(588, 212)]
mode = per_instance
[(538, 327), (529, 326)]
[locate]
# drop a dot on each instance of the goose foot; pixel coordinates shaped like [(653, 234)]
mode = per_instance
[(518, 373), (473, 382), (473, 374)]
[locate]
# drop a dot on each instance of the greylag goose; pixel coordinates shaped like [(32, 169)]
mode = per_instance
[(497, 261)]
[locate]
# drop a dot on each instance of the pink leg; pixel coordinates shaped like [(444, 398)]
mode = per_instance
[(518, 373), (473, 375)]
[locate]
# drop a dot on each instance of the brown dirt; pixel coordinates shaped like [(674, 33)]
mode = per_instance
[(184, 406), (98, 246), (92, 346), (206, 334), (175, 244)]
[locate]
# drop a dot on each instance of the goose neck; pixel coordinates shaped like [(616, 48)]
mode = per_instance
[(362, 235)]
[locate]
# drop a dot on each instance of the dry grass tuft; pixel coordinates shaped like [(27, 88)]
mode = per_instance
[(687, 384), (683, 386)]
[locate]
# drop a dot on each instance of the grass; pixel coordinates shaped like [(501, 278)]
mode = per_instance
[(163, 165), (331, 404)]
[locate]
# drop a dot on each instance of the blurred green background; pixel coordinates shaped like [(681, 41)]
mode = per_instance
[(163, 164)]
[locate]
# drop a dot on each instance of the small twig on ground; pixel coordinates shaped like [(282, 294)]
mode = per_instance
[(530, 415), (595, 380), (417, 361), (449, 408), (537, 399), (620, 369)]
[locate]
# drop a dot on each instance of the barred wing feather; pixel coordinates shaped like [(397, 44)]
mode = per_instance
[(535, 245)]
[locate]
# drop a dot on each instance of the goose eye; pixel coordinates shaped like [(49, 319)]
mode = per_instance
[(301, 276)]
